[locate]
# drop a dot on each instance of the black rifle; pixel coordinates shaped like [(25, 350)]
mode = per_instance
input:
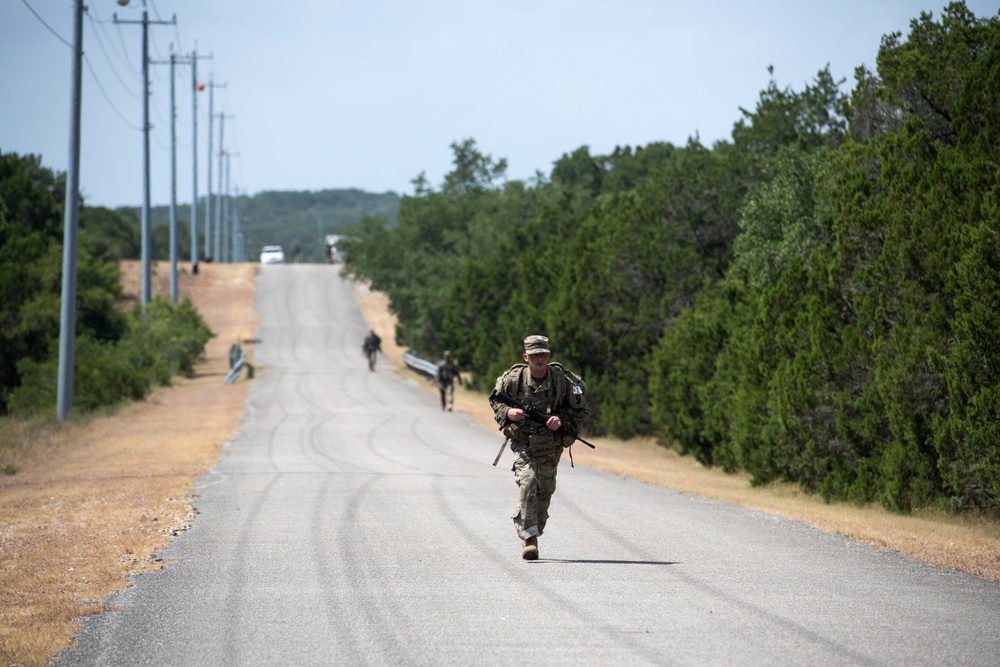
[(534, 414)]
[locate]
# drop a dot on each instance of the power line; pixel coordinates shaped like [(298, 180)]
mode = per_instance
[(156, 11), (158, 54), (93, 16), (105, 95), (114, 70), (42, 21), (180, 42), (122, 55), (157, 139), (158, 110), (128, 58)]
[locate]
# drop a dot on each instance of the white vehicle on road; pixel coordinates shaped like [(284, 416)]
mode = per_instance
[(272, 254)]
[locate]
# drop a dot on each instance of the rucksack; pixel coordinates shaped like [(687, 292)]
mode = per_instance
[(568, 383), (445, 373)]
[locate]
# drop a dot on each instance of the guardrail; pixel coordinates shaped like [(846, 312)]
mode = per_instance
[(428, 368)]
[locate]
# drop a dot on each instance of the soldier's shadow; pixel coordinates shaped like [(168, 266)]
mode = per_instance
[(600, 561)]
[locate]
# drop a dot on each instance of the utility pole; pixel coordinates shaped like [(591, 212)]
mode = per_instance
[(210, 250), (173, 182), (232, 224), (146, 240), (195, 89), (220, 248), (67, 323), (173, 179), (237, 234), (226, 222), (173, 175)]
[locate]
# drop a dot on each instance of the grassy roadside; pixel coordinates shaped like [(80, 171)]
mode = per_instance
[(93, 499)]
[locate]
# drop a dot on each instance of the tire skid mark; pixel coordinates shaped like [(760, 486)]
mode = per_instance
[(301, 390), (328, 349), (534, 588), (380, 648), (347, 382), (239, 620), (272, 443), (292, 317), (415, 419), (324, 310), (332, 291), (779, 623), (427, 442), (316, 450), (283, 314), (274, 407), (371, 445), (336, 607)]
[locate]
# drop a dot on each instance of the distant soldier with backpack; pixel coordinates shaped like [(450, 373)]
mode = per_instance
[(552, 406), (371, 347), (447, 372)]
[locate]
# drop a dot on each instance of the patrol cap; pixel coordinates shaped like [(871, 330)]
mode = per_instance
[(536, 345)]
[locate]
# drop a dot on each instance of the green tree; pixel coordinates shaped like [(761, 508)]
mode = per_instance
[(778, 221), (30, 215), (111, 234), (813, 118)]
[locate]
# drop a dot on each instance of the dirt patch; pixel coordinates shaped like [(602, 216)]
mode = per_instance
[(94, 499)]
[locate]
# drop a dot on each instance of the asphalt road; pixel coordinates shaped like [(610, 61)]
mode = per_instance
[(351, 522)]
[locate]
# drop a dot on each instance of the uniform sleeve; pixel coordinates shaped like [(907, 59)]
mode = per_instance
[(500, 409)]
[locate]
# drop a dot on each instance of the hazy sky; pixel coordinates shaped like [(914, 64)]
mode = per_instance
[(371, 93)]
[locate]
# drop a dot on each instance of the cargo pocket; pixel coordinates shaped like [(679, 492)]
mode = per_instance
[(543, 442)]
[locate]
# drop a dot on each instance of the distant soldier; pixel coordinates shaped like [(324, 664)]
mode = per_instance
[(371, 347), (447, 372)]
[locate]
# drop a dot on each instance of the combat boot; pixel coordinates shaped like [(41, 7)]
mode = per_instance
[(529, 548)]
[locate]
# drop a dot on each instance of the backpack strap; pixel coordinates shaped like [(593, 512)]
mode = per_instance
[(559, 376), (505, 378)]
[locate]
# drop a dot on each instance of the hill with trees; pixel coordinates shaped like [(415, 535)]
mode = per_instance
[(287, 218)]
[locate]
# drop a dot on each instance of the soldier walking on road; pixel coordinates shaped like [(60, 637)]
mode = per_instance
[(537, 447), (371, 347), (447, 372)]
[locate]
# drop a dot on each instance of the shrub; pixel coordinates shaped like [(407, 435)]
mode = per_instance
[(160, 343)]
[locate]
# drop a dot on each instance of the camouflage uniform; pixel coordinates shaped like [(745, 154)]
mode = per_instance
[(444, 377), (371, 347), (536, 448)]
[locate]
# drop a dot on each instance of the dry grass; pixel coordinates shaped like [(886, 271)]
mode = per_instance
[(93, 499)]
